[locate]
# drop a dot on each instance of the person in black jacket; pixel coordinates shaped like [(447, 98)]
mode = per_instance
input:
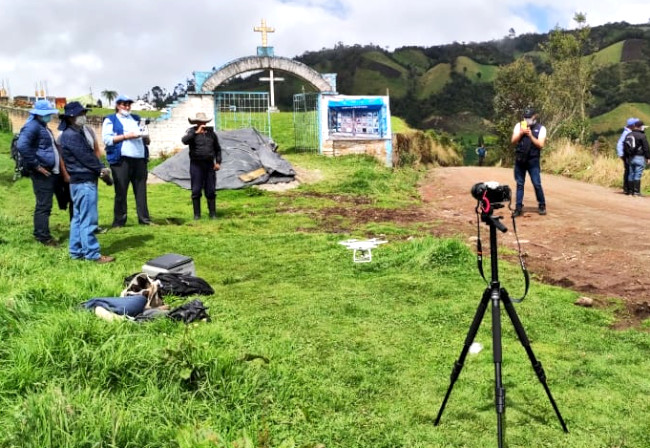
[(84, 168), (205, 161), (637, 153)]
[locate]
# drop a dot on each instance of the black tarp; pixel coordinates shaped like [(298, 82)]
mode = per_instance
[(243, 151)]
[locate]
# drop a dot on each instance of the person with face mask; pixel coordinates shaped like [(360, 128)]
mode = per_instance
[(529, 137), (41, 159), (84, 168), (127, 154)]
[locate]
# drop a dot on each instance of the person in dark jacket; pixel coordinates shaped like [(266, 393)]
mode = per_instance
[(84, 168), (126, 141), (529, 137), (205, 161), (41, 159), (637, 153)]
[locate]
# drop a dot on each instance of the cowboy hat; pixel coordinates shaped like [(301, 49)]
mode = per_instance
[(200, 117)]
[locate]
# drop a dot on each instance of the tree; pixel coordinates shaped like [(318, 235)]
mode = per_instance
[(110, 95), (516, 87), (569, 84)]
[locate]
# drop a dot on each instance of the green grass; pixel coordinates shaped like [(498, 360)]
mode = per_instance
[(609, 55), (613, 121), (359, 354), (470, 68), (433, 80), (411, 57)]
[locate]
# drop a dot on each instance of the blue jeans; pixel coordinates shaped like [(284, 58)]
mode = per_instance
[(637, 164), (44, 192), (533, 168), (83, 242)]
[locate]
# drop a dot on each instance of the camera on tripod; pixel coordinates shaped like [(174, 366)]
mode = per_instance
[(491, 192)]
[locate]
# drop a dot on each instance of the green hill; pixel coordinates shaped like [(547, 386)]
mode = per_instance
[(613, 121), (433, 80), (475, 71)]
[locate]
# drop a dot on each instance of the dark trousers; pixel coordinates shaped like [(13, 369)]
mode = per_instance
[(203, 178), (533, 168), (130, 171), (44, 192), (626, 175)]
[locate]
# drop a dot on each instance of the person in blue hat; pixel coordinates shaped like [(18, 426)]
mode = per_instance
[(127, 154), (42, 160), (629, 125), (84, 168)]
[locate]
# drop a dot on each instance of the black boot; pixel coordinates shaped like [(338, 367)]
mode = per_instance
[(212, 207), (196, 203), (637, 188), (627, 187)]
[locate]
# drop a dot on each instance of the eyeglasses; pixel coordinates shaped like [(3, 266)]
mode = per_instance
[(124, 104)]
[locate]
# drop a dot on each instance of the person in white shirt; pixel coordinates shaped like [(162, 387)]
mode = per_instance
[(127, 154), (529, 137)]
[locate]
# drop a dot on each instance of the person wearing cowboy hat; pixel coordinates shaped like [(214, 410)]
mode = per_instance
[(205, 161), (127, 154), (41, 158), (84, 168)]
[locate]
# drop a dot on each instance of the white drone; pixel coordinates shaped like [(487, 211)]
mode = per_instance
[(362, 249)]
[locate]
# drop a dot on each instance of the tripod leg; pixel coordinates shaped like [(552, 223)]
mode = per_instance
[(537, 366), (499, 390), (469, 339)]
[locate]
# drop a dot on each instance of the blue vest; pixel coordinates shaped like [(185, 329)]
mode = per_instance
[(114, 151), (526, 146)]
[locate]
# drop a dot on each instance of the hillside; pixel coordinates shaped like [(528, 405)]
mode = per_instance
[(426, 83)]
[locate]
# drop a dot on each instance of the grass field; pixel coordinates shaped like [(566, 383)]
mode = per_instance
[(305, 349)]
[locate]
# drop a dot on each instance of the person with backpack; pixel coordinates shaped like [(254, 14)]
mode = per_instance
[(621, 155), (529, 137), (84, 168), (481, 152), (637, 153), (127, 154), (42, 161)]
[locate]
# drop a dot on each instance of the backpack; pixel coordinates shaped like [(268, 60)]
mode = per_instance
[(19, 168), (629, 146)]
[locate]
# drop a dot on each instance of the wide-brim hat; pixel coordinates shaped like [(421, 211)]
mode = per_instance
[(73, 109), (200, 117), (44, 107), (123, 99)]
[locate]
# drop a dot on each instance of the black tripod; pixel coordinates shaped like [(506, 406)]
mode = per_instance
[(495, 294)]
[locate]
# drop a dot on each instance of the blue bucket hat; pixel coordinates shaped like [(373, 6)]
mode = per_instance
[(631, 122), (43, 107), (123, 99), (73, 109)]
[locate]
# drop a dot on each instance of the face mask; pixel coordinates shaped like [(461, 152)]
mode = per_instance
[(124, 113), (46, 118), (530, 121), (80, 120)]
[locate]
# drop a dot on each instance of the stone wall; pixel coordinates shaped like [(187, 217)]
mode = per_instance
[(165, 132), (375, 148)]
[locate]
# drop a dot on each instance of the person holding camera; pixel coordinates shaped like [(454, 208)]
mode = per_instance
[(84, 168), (127, 154), (529, 137), (205, 161)]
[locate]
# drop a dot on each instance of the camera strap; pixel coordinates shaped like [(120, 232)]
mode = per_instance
[(479, 255)]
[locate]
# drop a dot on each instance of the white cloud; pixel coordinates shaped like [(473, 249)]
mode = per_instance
[(131, 46)]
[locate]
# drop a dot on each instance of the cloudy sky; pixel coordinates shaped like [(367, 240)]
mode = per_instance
[(81, 46)]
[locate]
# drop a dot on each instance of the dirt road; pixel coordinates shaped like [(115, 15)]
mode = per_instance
[(594, 240)]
